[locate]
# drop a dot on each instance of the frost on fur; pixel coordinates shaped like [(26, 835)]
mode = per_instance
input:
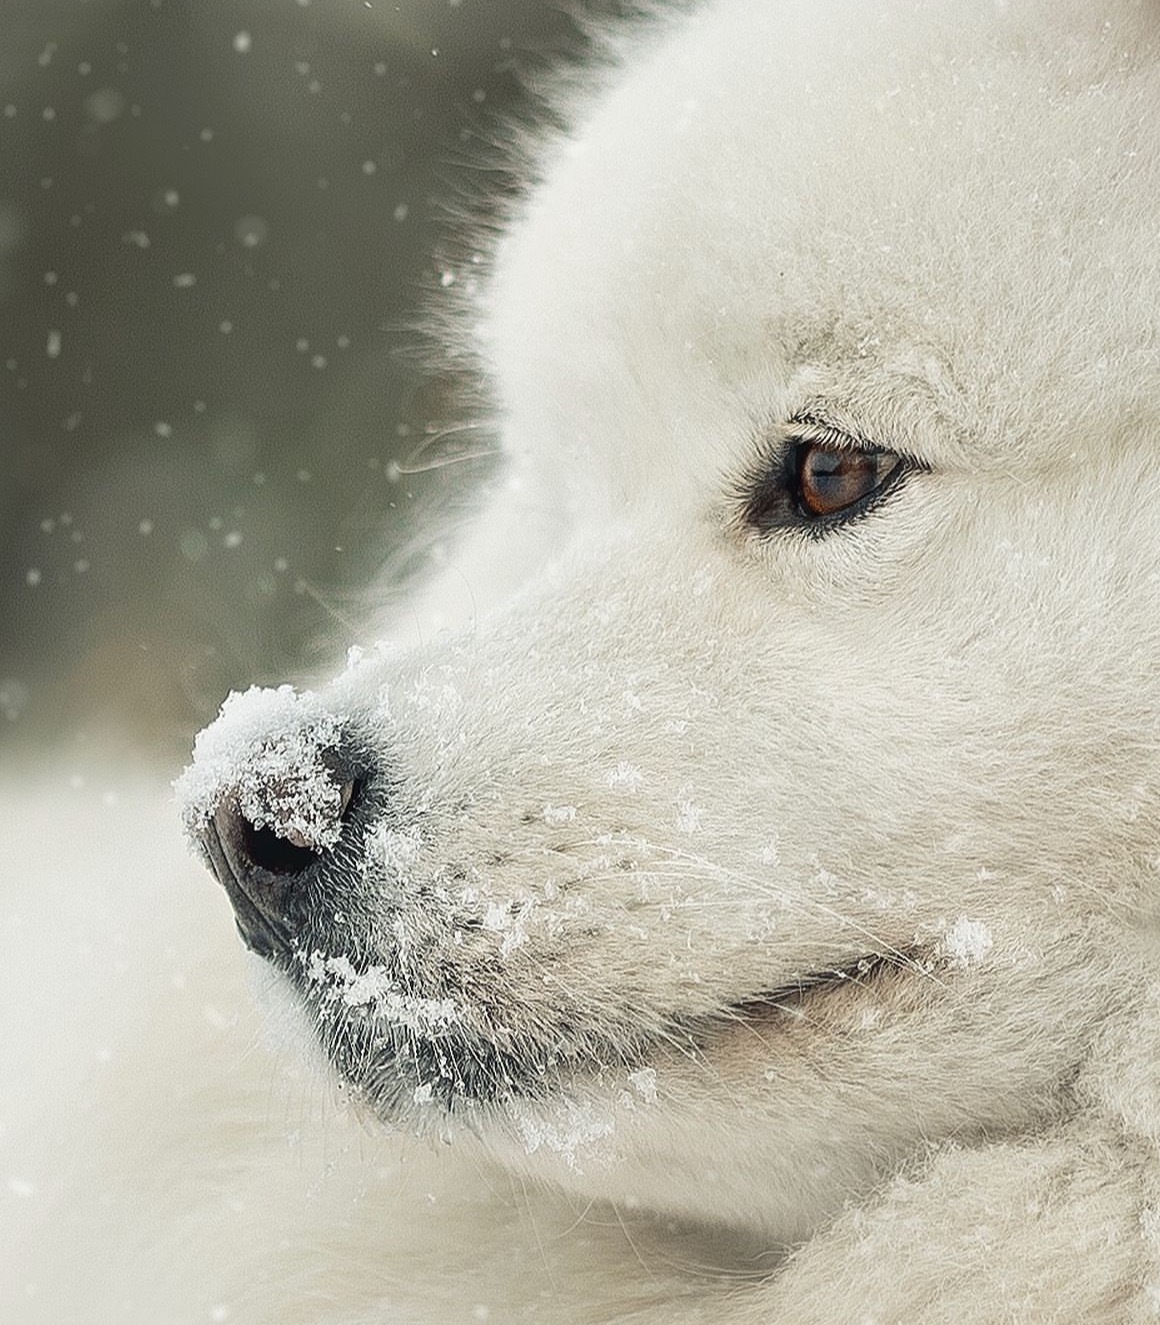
[(966, 942), (376, 991)]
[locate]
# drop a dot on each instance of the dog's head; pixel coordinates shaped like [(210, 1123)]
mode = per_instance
[(802, 805)]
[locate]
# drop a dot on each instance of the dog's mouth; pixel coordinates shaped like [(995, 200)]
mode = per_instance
[(791, 998), (415, 1022), (398, 1050)]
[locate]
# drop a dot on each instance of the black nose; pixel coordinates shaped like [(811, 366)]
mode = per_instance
[(264, 871)]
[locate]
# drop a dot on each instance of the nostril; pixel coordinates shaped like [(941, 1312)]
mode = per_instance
[(281, 851), (272, 800), (278, 855)]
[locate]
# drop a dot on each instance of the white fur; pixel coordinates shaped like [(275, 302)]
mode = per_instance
[(668, 765)]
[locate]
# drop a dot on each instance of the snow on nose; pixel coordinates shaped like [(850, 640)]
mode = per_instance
[(270, 754)]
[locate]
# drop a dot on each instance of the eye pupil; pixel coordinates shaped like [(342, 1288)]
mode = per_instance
[(831, 479)]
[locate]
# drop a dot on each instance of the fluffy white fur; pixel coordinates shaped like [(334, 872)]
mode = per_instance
[(670, 766)]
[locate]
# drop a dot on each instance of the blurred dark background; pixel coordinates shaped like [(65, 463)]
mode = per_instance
[(217, 218)]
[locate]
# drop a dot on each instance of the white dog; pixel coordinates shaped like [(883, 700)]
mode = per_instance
[(764, 878)]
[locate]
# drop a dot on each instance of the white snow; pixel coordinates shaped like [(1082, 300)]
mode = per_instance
[(375, 990), (559, 814), (966, 942), (395, 851), (644, 1082), (499, 918), (574, 1127), (266, 751), (688, 817), (625, 777)]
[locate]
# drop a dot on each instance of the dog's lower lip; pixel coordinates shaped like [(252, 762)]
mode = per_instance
[(500, 1079)]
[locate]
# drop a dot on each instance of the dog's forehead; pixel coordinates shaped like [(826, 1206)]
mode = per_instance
[(866, 233)]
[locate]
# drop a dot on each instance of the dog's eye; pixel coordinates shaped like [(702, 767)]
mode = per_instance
[(819, 478), (832, 480)]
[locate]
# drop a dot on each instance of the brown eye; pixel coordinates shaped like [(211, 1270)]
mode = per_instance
[(833, 479), (816, 479)]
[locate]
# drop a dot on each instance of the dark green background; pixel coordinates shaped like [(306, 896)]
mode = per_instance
[(196, 475)]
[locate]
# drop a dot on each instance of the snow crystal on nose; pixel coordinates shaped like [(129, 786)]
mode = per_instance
[(395, 852), (339, 980), (966, 942), (265, 750), (571, 1128)]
